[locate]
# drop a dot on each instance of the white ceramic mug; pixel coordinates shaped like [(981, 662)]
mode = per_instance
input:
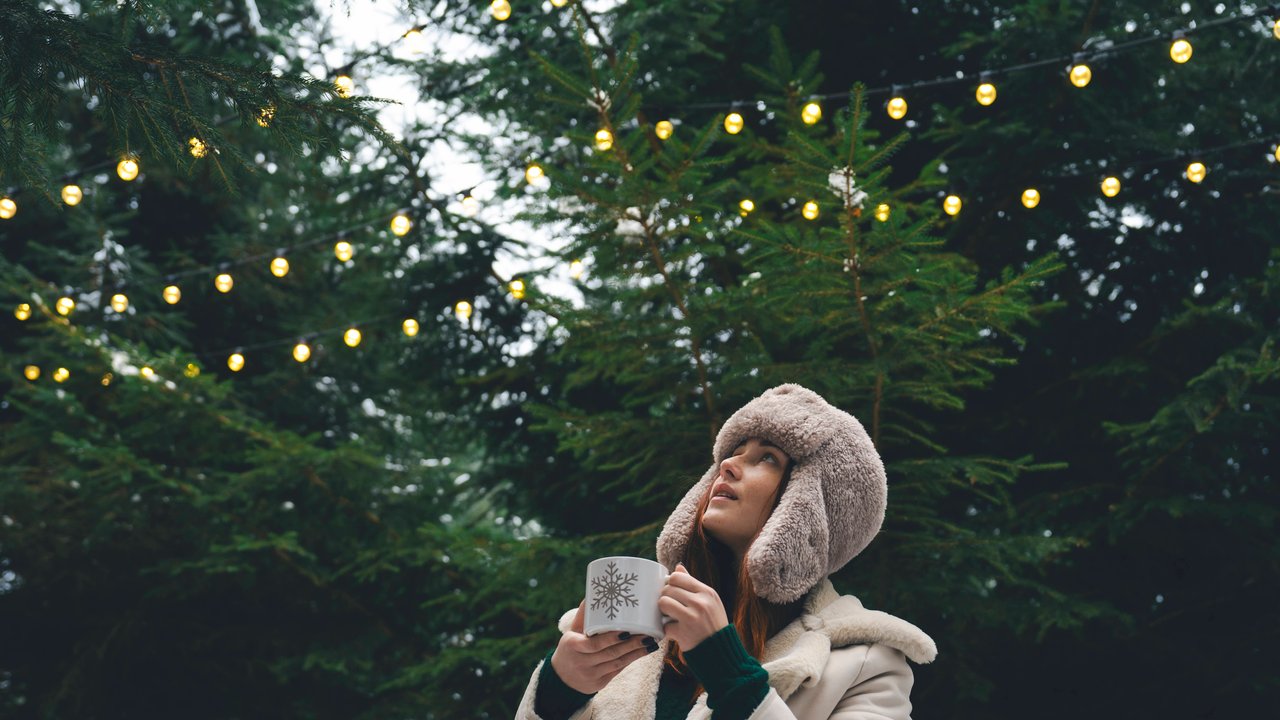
[(622, 595)]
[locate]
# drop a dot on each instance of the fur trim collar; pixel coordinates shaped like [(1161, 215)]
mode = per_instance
[(794, 657)]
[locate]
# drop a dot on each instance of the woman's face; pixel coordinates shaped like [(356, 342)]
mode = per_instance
[(742, 494)]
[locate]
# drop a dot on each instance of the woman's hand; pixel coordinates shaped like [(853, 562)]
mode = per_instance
[(694, 607), (587, 664)]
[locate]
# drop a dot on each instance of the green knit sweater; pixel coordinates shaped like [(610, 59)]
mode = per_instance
[(735, 682)]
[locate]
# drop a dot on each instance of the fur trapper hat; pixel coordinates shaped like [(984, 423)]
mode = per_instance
[(832, 507)]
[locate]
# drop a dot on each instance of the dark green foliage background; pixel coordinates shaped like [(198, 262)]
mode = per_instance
[(1076, 404)]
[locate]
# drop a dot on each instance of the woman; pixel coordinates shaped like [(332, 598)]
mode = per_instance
[(795, 491)]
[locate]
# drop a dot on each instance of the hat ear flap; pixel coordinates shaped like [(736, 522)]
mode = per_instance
[(674, 538), (789, 556)]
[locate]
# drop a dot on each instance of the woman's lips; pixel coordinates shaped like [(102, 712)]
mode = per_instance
[(721, 498)]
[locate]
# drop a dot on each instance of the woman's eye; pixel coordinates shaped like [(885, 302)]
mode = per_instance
[(771, 456)]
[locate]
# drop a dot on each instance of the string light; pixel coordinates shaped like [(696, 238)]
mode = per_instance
[(119, 302), (146, 372), (72, 194), (1111, 186), (811, 113), (401, 224), (266, 115), (1080, 73), (172, 294), (576, 269), (280, 265), (127, 169), (1180, 50), (604, 139), (882, 212), (235, 362), (106, 379), (664, 129), (810, 210), (462, 310), (301, 351), (1030, 197), (343, 251), (951, 205), (8, 208), (746, 207), (470, 205), (1278, 146), (501, 10), (415, 41), (22, 312), (344, 85), (559, 3), (733, 123), (61, 374), (197, 147), (986, 93), (1275, 28), (517, 289), (224, 282), (65, 305), (31, 372), (897, 107), (410, 327), (1196, 172), (351, 337), (533, 173), (191, 370)]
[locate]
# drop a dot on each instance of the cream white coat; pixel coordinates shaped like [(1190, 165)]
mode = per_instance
[(837, 661)]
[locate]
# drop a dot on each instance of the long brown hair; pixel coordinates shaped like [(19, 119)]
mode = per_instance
[(712, 562)]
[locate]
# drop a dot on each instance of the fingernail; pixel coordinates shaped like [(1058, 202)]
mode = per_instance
[(624, 635)]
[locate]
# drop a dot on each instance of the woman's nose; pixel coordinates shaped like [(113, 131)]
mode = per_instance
[(729, 467)]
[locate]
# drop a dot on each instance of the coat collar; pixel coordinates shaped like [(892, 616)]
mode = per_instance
[(794, 657)]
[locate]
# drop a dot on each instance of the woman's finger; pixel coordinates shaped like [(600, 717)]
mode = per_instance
[(684, 597), (686, 581), (617, 665), (603, 642), (673, 608)]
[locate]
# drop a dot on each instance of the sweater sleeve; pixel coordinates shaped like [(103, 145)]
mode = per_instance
[(736, 683), (555, 700)]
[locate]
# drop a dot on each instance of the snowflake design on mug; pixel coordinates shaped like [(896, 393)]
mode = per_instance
[(613, 591)]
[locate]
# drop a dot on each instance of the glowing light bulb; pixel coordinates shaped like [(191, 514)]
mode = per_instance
[(501, 10), (401, 224), (197, 148), (266, 115), (344, 85), (576, 269), (415, 42), (65, 305), (1196, 172), (1111, 186), (127, 169), (746, 207), (897, 108), (106, 379), (604, 139), (470, 206), (410, 327), (951, 205), (811, 113), (191, 370), (986, 94), (172, 294), (280, 266), (8, 208), (352, 337), (559, 3), (119, 302), (72, 194), (31, 372), (1080, 75), (23, 311), (343, 251), (1278, 146), (462, 310), (533, 173), (146, 372), (235, 362), (223, 282), (1030, 197), (882, 212), (664, 129), (1180, 50), (1275, 28), (517, 289), (733, 123), (61, 374), (810, 210), (301, 352)]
